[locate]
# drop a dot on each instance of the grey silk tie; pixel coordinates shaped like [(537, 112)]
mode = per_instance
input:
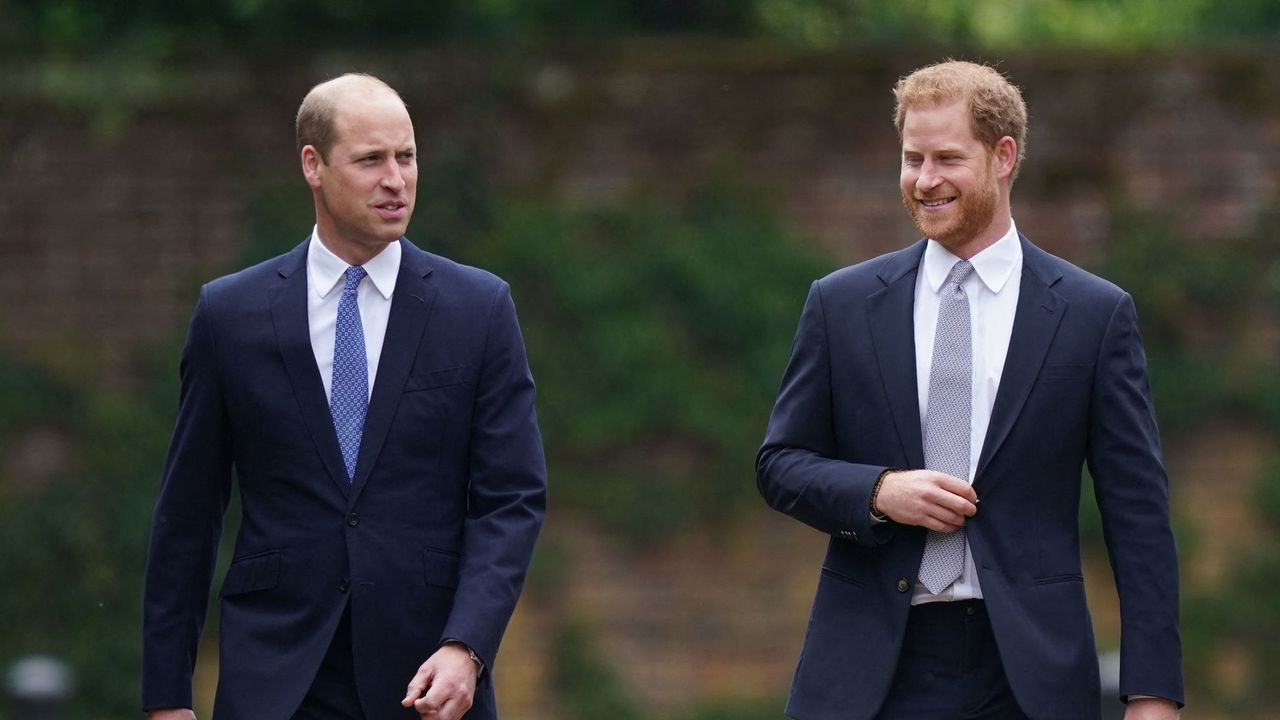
[(947, 420)]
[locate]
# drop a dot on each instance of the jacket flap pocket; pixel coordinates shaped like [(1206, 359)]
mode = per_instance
[(849, 564), (437, 378), (440, 568), (1055, 579), (259, 572)]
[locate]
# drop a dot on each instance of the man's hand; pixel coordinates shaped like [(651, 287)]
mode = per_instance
[(923, 497), (445, 685), (171, 714), (1151, 709)]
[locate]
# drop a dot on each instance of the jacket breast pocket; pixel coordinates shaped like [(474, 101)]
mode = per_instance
[(251, 574), (440, 568), (431, 380)]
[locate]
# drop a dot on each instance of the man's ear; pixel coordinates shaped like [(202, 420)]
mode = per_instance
[(1005, 156), (312, 165)]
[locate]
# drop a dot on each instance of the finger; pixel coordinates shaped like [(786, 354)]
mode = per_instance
[(446, 699), (434, 699), (943, 521), (952, 519), (955, 486), (417, 686), (938, 526), (958, 505), (436, 710), (460, 707), (425, 707), (450, 709)]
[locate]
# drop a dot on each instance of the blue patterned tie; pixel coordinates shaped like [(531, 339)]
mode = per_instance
[(947, 420), (349, 394)]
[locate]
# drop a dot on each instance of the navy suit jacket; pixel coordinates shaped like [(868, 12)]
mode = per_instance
[(430, 541), (1074, 390)]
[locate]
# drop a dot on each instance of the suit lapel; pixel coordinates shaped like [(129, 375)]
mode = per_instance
[(1035, 321), (410, 307), (288, 299), (891, 318)]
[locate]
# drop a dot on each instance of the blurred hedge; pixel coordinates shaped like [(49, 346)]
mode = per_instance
[(658, 332), (69, 28)]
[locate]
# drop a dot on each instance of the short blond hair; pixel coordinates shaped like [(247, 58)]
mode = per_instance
[(996, 107)]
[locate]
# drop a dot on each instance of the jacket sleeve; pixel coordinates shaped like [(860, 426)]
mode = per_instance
[(1133, 498), (187, 524), (797, 469), (507, 493)]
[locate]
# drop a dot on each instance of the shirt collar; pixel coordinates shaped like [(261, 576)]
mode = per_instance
[(326, 269), (993, 265)]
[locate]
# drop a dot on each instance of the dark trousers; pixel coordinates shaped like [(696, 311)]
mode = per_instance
[(333, 693), (950, 668)]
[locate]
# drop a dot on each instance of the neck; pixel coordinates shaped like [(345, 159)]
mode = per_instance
[(999, 226), (352, 252)]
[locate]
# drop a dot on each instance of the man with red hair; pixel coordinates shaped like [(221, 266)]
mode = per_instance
[(934, 419)]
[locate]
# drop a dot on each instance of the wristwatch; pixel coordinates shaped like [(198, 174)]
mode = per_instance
[(470, 653), (475, 659)]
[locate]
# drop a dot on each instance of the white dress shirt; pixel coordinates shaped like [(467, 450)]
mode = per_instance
[(992, 290), (325, 280)]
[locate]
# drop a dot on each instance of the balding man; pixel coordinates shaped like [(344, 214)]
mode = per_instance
[(376, 406)]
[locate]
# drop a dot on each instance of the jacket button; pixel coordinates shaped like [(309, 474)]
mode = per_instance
[(353, 519), (344, 585), (903, 585)]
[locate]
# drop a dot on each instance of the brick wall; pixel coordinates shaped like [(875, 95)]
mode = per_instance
[(105, 232), (108, 224)]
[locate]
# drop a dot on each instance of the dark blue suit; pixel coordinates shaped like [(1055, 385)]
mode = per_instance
[(1074, 390), (432, 538)]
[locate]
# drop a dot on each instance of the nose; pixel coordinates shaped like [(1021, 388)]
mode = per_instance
[(928, 179), (393, 176)]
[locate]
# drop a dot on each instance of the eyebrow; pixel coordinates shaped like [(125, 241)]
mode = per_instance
[(359, 152), (941, 149)]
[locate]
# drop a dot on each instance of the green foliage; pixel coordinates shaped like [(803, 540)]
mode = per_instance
[(281, 215), (584, 680), (73, 540), (657, 338), (82, 28), (1199, 305), (589, 688), (730, 709), (1004, 24), (1241, 624), (1267, 494), (79, 27), (1091, 538)]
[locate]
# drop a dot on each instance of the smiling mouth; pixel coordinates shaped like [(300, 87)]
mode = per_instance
[(391, 206), (936, 203)]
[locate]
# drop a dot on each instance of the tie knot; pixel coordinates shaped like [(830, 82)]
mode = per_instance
[(355, 274), (959, 272)]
